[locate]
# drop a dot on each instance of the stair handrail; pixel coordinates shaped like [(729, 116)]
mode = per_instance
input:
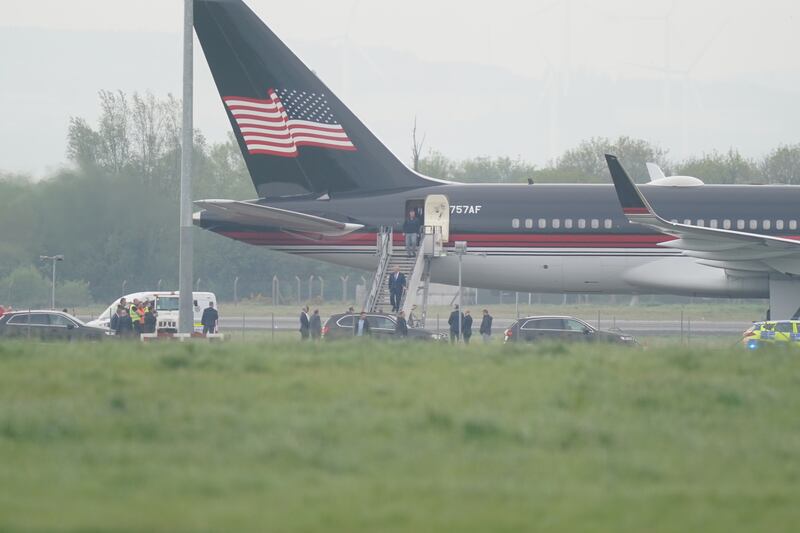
[(416, 276), (384, 250)]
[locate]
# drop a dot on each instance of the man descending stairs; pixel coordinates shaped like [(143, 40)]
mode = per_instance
[(392, 288), (408, 276)]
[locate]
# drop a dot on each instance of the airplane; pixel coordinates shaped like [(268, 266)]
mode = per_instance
[(326, 185)]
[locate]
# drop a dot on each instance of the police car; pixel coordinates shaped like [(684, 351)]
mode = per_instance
[(777, 332)]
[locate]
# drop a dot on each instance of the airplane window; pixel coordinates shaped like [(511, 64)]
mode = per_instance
[(754, 224), (688, 222), (568, 223), (779, 224), (595, 223), (726, 224), (582, 223), (608, 223), (792, 224), (515, 223), (556, 223), (674, 220), (740, 224), (529, 223), (713, 223), (767, 224), (542, 223), (701, 222)]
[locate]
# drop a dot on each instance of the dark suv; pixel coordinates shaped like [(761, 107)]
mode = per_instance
[(561, 329), (381, 326), (47, 325)]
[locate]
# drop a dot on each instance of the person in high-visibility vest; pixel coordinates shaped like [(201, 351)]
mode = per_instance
[(136, 318)]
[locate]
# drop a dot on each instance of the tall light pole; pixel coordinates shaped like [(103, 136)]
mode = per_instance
[(54, 259), (186, 312), (461, 249)]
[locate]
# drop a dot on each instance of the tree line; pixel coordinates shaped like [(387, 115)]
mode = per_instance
[(586, 164), (112, 211)]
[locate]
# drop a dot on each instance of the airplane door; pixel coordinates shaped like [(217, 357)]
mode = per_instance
[(437, 213)]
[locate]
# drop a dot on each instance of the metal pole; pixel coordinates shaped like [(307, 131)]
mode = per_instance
[(299, 296), (344, 287), (310, 287), (53, 293), (185, 313), (459, 297), (236, 290), (321, 289), (516, 303), (124, 284)]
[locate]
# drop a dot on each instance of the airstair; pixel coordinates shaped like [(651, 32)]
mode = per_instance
[(417, 270)]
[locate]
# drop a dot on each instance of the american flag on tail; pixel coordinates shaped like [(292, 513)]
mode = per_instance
[(286, 120)]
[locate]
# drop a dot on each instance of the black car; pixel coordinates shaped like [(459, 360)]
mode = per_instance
[(381, 326), (561, 329), (47, 325)]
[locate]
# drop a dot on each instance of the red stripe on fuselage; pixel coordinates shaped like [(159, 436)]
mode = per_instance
[(482, 240)]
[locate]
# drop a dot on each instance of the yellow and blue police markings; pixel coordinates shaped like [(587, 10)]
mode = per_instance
[(773, 332)]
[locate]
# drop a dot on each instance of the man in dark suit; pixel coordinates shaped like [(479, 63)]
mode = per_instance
[(361, 326), (455, 324), (466, 327), (401, 327), (305, 324), (397, 284)]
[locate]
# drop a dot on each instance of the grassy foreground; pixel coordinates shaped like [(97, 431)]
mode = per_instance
[(351, 438)]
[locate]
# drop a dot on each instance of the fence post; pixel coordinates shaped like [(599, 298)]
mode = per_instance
[(276, 291), (299, 296), (344, 287), (321, 289), (311, 287), (236, 291)]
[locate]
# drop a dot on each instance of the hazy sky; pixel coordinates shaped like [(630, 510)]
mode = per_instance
[(551, 57)]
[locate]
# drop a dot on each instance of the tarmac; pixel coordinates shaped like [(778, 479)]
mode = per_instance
[(642, 328)]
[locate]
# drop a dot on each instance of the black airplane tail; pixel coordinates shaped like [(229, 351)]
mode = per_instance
[(296, 136)]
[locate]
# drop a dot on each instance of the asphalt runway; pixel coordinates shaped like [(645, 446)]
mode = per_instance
[(643, 328)]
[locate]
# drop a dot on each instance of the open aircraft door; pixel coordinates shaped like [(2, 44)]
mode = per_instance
[(437, 217)]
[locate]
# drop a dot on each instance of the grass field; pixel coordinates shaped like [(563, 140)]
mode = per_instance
[(367, 438)]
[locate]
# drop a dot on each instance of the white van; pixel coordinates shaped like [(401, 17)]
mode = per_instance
[(166, 306)]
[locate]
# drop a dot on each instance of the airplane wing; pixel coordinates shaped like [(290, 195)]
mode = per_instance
[(261, 215), (735, 251)]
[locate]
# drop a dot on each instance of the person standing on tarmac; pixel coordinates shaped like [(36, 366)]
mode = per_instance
[(455, 324), (136, 318), (315, 325), (466, 327), (209, 319), (121, 322), (486, 326), (401, 327), (361, 326), (305, 324), (150, 318)]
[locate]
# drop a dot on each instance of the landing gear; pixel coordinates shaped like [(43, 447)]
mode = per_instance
[(784, 297)]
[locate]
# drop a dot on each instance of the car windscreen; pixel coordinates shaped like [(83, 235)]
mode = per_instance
[(167, 303)]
